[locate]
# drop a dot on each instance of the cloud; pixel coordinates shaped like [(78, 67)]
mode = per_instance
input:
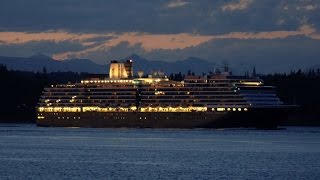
[(34, 47), (305, 30), (310, 7), (150, 42), (103, 42), (56, 36), (177, 4), (315, 36), (160, 29), (119, 51), (240, 5), (155, 17), (147, 41)]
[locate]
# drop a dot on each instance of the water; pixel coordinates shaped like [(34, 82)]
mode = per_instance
[(30, 152)]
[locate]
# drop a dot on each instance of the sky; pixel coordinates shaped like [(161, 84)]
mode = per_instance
[(272, 35)]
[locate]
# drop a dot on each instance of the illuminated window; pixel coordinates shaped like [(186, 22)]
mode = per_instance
[(221, 109)]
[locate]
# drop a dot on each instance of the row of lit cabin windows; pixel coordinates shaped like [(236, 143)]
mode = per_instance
[(167, 104), (195, 81), (190, 97), (68, 117), (187, 92), (166, 91), (207, 85), (153, 104), (115, 89), (89, 101), (252, 91), (259, 95), (215, 80), (179, 90), (85, 96), (95, 93), (265, 102), (62, 97), (163, 95), (146, 109), (89, 89), (182, 89), (51, 102), (73, 108), (125, 117), (110, 93), (88, 98), (263, 99), (61, 100), (186, 102), (197, 104), (193, 100)]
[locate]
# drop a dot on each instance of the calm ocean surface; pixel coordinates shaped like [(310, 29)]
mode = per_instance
[(30, 152)]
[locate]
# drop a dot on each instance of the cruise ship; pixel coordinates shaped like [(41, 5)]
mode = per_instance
[(219, 100)]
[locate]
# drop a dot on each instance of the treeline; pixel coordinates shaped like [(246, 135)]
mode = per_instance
[(300, 88), (20, 91), (297, 87)]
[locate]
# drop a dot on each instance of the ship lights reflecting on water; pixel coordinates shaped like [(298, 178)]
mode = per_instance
[(30, 152)]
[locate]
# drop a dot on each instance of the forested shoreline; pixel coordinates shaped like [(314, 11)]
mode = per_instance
[(21, 90)]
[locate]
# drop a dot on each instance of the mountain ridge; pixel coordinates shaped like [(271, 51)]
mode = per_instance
[(38, 61)]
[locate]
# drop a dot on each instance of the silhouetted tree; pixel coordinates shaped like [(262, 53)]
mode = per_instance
[(3, 68), (254, 73), (44, 70)]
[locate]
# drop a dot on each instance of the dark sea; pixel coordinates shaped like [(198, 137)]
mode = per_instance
[(30, 152)]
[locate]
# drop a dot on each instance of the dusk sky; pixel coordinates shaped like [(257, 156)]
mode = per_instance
[(273, 35)]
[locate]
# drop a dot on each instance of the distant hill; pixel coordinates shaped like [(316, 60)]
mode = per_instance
[(193, 64), (39, 61)]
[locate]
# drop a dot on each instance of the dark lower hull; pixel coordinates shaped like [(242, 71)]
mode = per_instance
[(258, 118)]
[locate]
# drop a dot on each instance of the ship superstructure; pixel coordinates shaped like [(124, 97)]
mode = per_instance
[(217, 100)]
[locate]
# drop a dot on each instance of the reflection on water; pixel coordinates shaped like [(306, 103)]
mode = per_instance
[(29, 152)]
